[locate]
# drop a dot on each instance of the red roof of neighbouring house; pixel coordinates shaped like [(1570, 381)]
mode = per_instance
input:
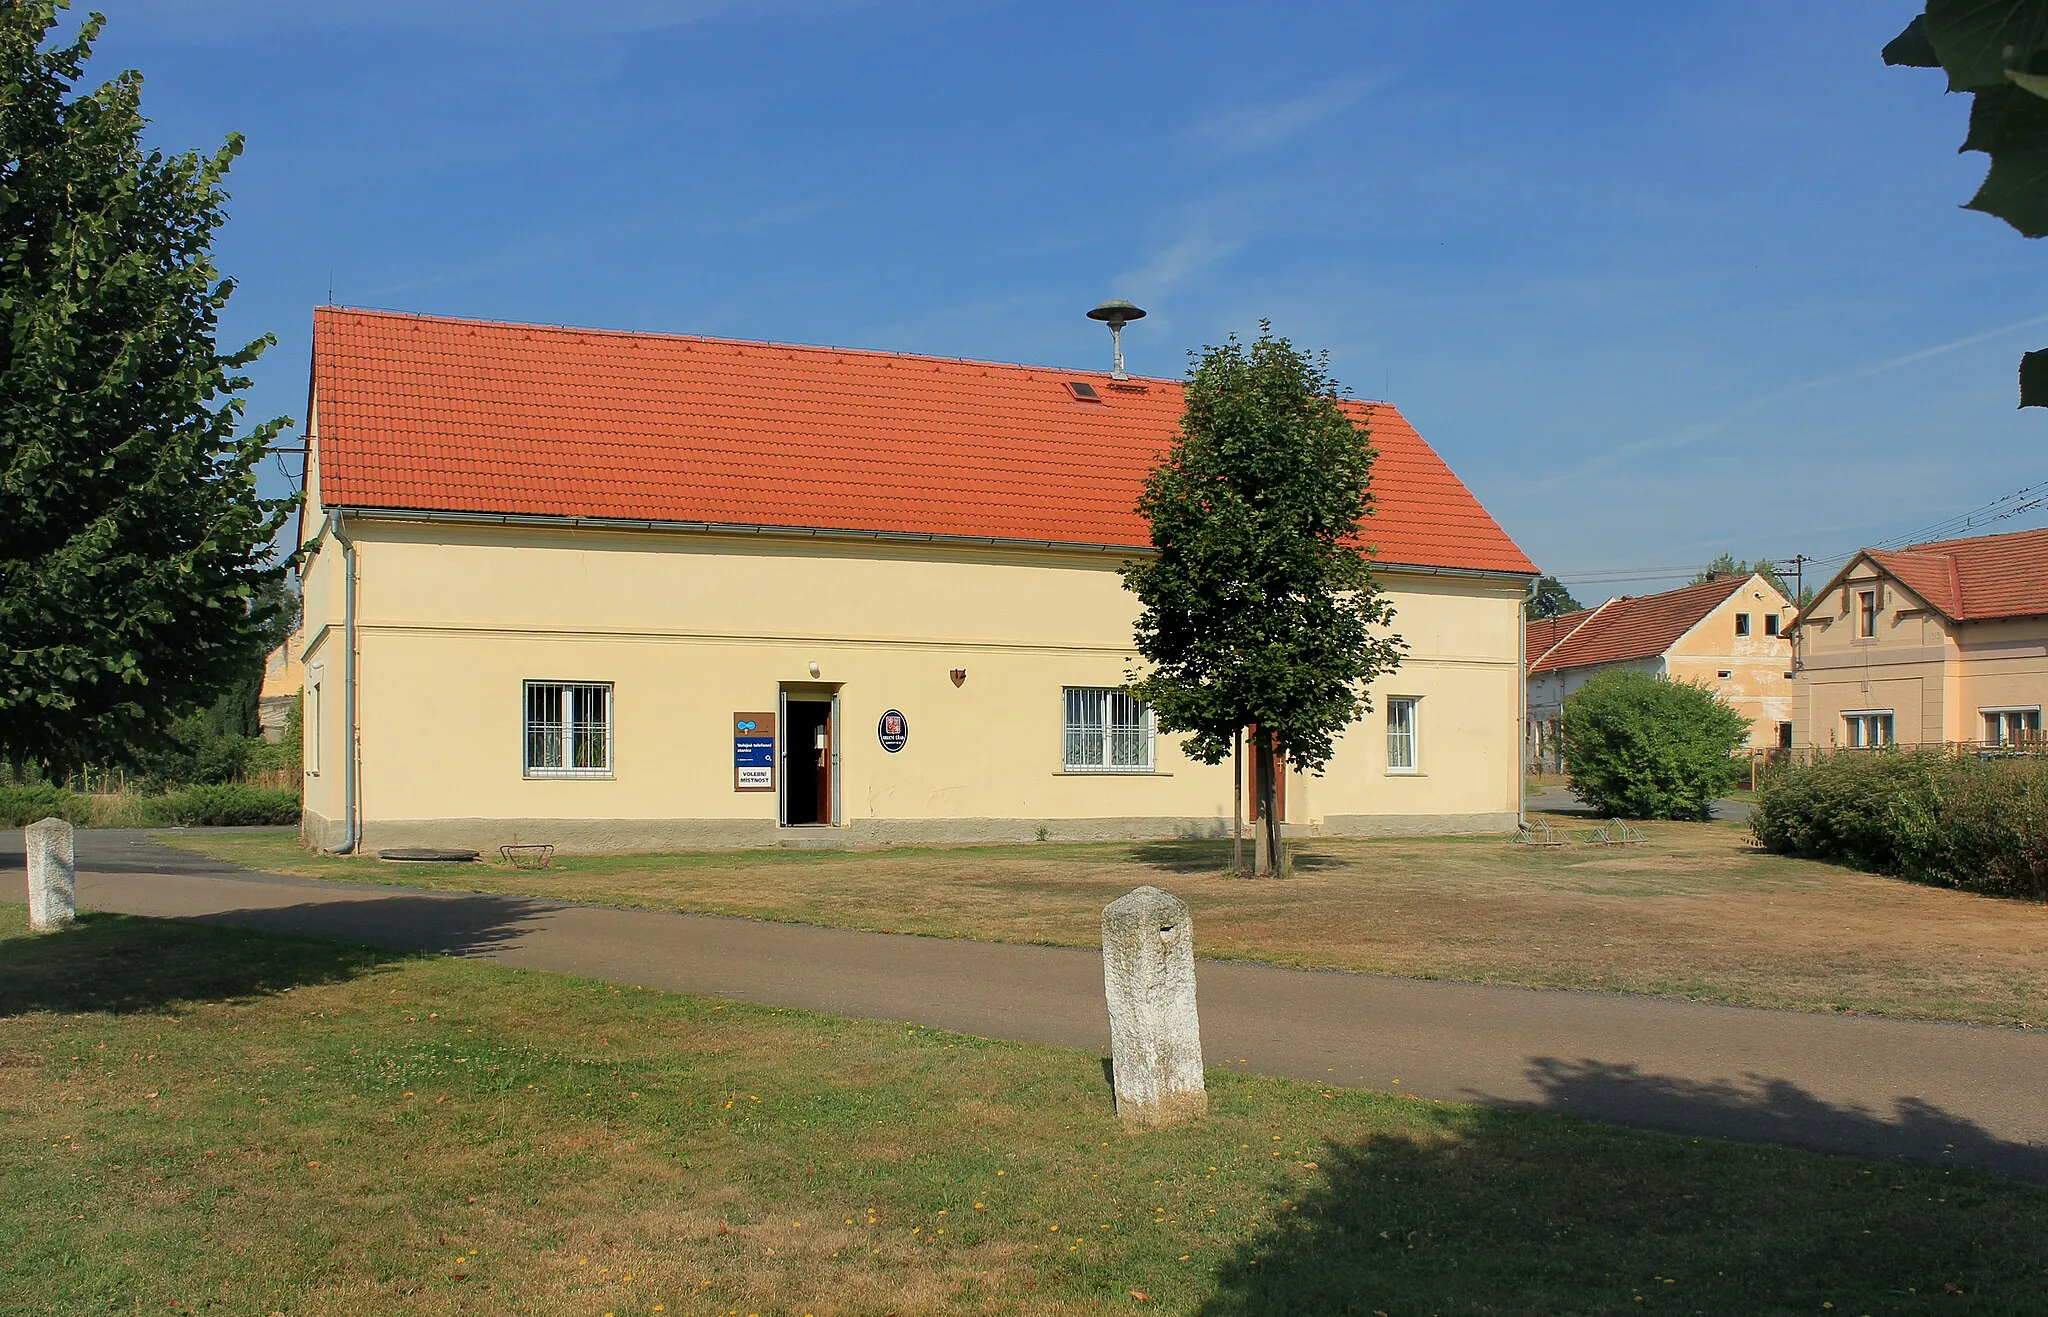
[(431, 414), (1546, 632), (1973, 580), (1638, 627)]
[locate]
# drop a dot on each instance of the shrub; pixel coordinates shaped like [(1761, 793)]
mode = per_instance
[(21, 806), (1639, 747), (230, 806), (1978, 825)]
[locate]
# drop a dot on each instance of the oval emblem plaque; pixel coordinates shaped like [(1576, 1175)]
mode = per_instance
[(893, 731)]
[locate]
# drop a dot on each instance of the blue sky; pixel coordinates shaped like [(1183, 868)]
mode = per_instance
[(1657, 280)]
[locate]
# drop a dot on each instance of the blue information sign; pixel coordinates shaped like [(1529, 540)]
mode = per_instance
[(893, 731), (753, 752)]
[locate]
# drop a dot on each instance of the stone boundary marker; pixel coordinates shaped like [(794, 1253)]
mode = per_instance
[(1155, 1037), (52, 876)]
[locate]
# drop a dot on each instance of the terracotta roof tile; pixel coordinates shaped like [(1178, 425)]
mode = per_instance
[(1638, 627), (1973, 580), (1546, 632), (431, 414)]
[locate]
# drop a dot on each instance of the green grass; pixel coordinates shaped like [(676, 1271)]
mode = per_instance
[(201, 1119)]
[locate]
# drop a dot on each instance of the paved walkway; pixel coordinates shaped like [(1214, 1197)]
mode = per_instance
[(1560, 800), (1875, 1087)]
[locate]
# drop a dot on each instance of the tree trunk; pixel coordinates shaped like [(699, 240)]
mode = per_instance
[(1237, 804), (1271, 857)]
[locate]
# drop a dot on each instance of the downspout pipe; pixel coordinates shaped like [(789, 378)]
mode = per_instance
[(351, 810)]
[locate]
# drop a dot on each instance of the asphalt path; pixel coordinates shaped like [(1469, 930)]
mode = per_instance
[(1879, 1088)]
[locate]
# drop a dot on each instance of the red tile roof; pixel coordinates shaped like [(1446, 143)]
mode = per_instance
[(432, 414), (1973, 580), (1546, 632), (1638, 627)]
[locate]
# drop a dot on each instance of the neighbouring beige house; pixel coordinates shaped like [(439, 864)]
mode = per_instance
[(1728, 633), (618, 591), (1940, 643), (284, 677)]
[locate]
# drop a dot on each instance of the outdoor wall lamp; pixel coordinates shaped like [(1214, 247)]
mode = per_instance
[(814, 668)]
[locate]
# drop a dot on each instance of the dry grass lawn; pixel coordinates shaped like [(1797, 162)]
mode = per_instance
[(1697, 912), (207, 1120)]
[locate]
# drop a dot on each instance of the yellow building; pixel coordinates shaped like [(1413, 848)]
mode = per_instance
[(1941, 643), (1730, 634), (637, 592)]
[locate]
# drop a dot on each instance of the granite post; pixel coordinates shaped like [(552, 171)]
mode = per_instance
[(1155, 1038), (52, 876)]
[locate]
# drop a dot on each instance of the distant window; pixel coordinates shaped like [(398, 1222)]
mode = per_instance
[(1867, 730), (1107, 731), (1083, 391), (1784, 736), (568, 729), (1866, 613), (2005, 726), (1403, 729), (1725, 673), (1742, 624), (1771, 624), (313, 727)]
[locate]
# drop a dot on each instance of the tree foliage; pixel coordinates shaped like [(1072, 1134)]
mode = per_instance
[(1259, 607), (1997, 51), (1728, 564), (1549, 598), (1640, 747), (134, 549)]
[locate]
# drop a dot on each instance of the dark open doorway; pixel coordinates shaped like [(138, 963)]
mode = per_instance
[(807, 763)]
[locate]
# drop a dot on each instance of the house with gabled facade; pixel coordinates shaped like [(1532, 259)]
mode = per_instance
[(1944, 643), (1729, 633), (635, 592)]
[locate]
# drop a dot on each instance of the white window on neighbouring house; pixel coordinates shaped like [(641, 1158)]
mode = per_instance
[(1742, 624), (1404, 733), (311, 716), (1866, 613), (1107, 731), (1867, 729), (568, 729), (2005, 726)]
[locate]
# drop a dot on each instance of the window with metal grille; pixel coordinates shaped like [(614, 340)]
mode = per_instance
[(1107, 731), (1403, 728), (568, 729)]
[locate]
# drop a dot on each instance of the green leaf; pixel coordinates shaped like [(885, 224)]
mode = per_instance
[(2034, 379), (2016, 188), (1970, 38), (1911, 48)]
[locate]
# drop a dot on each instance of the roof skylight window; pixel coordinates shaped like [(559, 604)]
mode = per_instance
[(1083, 391)]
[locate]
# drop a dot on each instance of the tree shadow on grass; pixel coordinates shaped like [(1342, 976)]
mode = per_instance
[(129, 963), (1536, 1212), (1208, 856)]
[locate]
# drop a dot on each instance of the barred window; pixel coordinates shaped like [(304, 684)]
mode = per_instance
[(1107, 731), (568, 729)]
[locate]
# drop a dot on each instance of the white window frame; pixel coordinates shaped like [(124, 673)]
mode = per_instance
[(1412, 734), (2005, 713), (309, 721), (1860, 725), (1091, 745), (577, 733)]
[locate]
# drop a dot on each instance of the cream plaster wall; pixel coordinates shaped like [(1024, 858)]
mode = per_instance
[(1936, 676), (1756, 687), (692, 628)]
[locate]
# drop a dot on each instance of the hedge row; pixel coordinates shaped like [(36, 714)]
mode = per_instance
[(220, 806), (1979, 825)]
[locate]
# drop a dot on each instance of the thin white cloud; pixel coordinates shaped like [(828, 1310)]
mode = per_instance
[(1174, 266), (1701, 431), (1258, 127)]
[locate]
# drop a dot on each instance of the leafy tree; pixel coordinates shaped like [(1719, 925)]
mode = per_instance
[(1996, 50), (1259, 608), (1640, 747), (1728, 564), (1549, 598), (134, 550)]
